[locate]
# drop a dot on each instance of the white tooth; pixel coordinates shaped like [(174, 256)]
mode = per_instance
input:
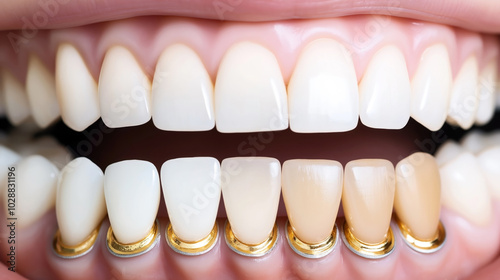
[(76, 89), (7, 160), (41, 91), (431, 88), (491, 139), (473, 141), (80, 205), (182, 92), (487, 93), (191, 187), (464, 189), (124, 90), (385, 91), (45, 146), (489, 161), (251, 191), (448, 151), (250, 93), (17, 106), (464, 95), (132, 193), (323, 90), (36, 183)]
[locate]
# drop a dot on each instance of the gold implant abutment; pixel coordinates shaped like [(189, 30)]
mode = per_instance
[(191, 248), (251, 250), (72, 252), (134, 249), (423, 246), (368, 250), (311, 251)]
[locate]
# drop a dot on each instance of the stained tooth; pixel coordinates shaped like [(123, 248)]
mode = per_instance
[(182, 92), (385, 91), (489, 161), (132, 192), (7, 160), (80, 205), (487, 93), (311, 191), (431, 88), (323, 90), (76, 89), (251, 190), (41, 91), (448, 151), (124, 90), (464, 95), (17, 106), (250, 93)]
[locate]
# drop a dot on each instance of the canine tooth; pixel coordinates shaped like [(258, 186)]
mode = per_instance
[(487, 93), (250, 93), (311, 191), (323, 90), (41, 91), (7, 159), (367, 198), (76, 89), (431, 88), (464, 189), (489, 161), (191, 188), (417, 200), (17, 107), (251, 189), (448, 151), (385, 91), (80, 205), (132, 193), (464, 95), (124, 90), (182, 92)]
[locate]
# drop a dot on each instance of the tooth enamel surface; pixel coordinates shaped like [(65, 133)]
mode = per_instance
[(250, 93), (76, 89), (7, 159), (80, 205), (191, 187), (464, 189), (489, 161), (36, 188), (487, 93), (368, 197), (17, 107), (323, 90), (311, 191), (473, 141), (41, 91), (448, 151), (251, 190), (464, 95), (132, 192), (417, 201), (431, 88), (124, 90), (385, 91), (182, 92)]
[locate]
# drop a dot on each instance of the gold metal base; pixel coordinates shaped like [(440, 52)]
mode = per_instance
[(72, 252), (311, 251), (423, 246), (257, 250), (191, 248), (135, 249), (368, 250)]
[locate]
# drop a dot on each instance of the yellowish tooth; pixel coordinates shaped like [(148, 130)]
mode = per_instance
[(16, 101)]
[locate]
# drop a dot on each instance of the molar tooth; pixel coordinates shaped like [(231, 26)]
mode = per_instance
[(124, 90), (487, 93), (489, 161), (250, 93), (385, 91), (17, 107), (182, 92), (323, 90), (464, 95), (41, 91), (431, 88), (76, 89)]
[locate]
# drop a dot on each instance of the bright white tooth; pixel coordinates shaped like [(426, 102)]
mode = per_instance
[(464, 95), (182, 92), (41, 91), (489, 161), (487, 93), (16, 101), (132, 193), (431, 88), (36, 183), (76, 89), (464, 189), (80, 205), (7, 160), (250, 93), (448, 151), (473, 141), (385, 91), (191, 187), (251, 191), (124, 90)]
